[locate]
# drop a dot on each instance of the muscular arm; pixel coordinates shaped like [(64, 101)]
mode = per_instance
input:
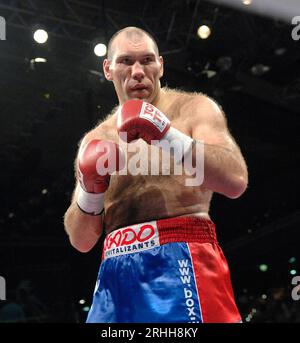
[(83, 229), (225, 170)]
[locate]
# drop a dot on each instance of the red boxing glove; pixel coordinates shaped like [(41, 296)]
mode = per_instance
[(142, 120), (96, 162)]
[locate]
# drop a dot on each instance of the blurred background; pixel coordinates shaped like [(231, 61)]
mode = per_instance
[(247, 57)]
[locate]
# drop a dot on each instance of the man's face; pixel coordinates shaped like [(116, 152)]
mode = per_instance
[(135, 68)]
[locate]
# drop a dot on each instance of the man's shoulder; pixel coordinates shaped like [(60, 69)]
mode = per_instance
[(108, 121), (189, 104), (187, 98), (102, 130)]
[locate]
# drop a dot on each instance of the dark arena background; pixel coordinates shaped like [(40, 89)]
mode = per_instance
[(53, 93)]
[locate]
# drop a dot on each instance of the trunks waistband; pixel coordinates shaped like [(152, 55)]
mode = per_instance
[(144, 236)]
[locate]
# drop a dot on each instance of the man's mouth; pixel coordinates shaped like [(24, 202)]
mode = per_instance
[(138, 87)]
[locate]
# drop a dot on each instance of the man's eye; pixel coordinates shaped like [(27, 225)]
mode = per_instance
[(147, 60), (126, 61)]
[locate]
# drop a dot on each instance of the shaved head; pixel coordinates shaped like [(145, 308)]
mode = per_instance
[(132, 33)]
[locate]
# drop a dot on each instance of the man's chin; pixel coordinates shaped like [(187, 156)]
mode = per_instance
[(142, 95), (139, 97)]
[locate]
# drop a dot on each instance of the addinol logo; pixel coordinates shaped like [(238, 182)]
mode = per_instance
[(2, 288)]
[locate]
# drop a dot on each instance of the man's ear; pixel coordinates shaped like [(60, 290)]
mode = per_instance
[(161, 60), (106, 69)]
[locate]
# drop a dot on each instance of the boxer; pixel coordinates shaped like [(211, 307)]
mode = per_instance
[(161, 261)]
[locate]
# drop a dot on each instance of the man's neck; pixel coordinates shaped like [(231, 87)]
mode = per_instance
[(160, 99)]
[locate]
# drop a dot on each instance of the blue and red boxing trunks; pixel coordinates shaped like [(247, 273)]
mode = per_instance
[(170, 270)]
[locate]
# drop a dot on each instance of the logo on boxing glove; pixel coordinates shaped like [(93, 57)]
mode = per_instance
[(154, 115)]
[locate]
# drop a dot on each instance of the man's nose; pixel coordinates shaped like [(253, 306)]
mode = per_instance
[(137, 71)]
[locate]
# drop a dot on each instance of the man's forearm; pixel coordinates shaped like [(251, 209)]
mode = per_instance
[(225, 170), (84, 230)]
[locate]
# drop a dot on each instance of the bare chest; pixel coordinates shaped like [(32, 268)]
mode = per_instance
[(143, 159), (151, 185)]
